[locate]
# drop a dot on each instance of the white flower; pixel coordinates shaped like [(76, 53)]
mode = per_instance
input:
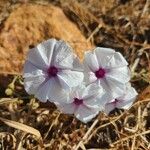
[(51, 68), (108, 68), (123, 102), (84, 102)]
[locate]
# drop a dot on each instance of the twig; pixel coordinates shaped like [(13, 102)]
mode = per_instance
[(10, 73), (54, 122), (87, 134), (129, 137), (94, 32), (136, 62), (145, 8)]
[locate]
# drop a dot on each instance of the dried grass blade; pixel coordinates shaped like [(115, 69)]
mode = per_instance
[(22, 127), (7, 100)]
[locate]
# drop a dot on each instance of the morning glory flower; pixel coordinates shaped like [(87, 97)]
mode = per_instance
[(84, 102), (50, 70), (123, 102), (108, 68)]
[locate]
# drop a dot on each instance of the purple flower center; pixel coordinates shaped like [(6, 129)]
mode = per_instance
[(52, 71), (115, 101), (100, 73), (78, 101)]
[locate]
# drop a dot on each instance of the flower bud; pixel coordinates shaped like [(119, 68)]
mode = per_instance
[(11, 86), (8, 91)]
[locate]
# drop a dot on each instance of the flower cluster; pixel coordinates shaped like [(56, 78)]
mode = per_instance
[(53, 72)]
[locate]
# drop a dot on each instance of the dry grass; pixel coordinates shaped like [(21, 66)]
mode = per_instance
[(27, 124)]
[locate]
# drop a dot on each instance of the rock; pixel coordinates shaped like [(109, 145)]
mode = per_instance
[(30, 24)]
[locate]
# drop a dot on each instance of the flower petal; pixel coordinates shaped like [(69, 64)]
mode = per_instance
[(109, 107), (117, 60), (54, 90), (99, 100), (33, 77), (85, 114), (63, 56), (90, 61), (57, 93), (32, 83), (95, 102), (69, 79), (92, 90), (77, 65), (104, 55), (113, 87), (41, 55), (77, 92), (121, 74), (42, 92), (128, 98), (130, 93), (67, 108), (48, 47), (125, 104), (89, 77), (29, 68)]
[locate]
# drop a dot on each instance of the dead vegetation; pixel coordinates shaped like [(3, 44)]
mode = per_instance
[(27, 124)]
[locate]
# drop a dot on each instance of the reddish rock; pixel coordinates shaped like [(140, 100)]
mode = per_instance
[(29, 25)]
